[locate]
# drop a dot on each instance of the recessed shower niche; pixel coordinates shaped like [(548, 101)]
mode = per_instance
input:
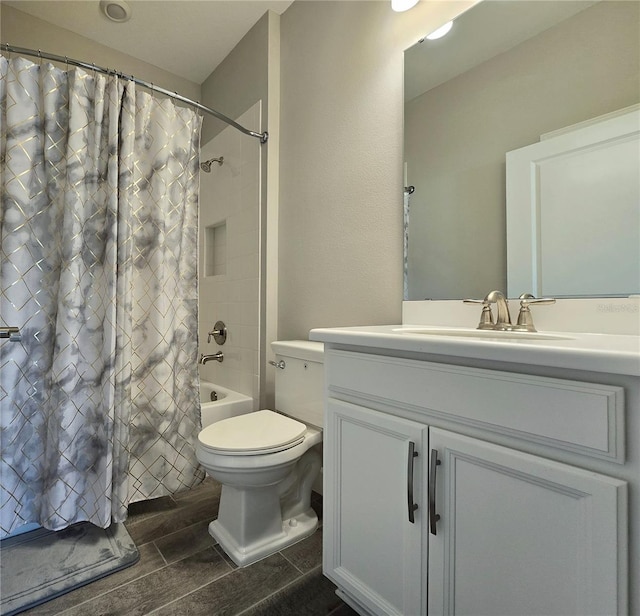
[(215, 249)]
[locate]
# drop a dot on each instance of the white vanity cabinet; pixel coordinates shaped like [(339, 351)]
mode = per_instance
[(375, 551), (519, 534), (502, 525)]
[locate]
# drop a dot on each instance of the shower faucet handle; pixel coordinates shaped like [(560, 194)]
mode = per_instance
[(219, 333)]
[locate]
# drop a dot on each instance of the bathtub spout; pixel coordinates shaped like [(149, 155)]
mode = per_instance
[(215, 356)]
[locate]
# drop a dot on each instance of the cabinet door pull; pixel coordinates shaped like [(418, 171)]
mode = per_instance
[(433, 516), (412, 506)]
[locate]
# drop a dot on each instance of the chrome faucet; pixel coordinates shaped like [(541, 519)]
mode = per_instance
[(213, 357), (503, 318)]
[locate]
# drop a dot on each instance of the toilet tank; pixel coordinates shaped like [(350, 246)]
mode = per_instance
[(299, 385)]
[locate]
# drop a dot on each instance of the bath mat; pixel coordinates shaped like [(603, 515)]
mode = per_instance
[(42, 564)]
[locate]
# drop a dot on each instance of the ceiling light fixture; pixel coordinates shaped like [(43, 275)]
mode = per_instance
[(440, 32), (116, 10), (403, 5)]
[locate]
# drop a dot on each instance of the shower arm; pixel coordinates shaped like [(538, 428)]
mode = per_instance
[(263, 137)]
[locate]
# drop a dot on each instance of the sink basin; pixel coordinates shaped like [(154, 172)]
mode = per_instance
[(460, 332)]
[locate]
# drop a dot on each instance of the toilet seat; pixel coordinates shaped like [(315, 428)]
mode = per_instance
[(258, 433)]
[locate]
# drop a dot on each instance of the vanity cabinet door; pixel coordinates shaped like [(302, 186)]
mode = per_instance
[(519, 534), (372, 550)]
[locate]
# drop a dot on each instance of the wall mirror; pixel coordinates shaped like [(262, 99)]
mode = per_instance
[(509, 75)]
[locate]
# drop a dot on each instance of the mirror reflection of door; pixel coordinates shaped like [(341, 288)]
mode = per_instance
[(567, 196)]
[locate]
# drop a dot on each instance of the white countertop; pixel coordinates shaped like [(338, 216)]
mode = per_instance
[(610, 353)]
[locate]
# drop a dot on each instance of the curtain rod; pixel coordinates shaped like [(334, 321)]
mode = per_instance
[(145, 84)]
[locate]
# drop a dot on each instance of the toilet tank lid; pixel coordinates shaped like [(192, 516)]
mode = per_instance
[(299, 349)]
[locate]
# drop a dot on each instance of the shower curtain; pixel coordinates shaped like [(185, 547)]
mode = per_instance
[(405, 252), (99, 402)]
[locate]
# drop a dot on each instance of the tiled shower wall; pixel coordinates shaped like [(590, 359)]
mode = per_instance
[(229, 256)]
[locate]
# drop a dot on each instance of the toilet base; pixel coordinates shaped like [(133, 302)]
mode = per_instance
[(294, 529)]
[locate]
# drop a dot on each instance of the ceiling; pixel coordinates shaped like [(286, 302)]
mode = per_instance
[(186, 37)]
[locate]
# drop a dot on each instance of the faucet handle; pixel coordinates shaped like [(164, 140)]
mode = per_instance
[(219, 333), (526, 299), (486, 316), (525, 320)]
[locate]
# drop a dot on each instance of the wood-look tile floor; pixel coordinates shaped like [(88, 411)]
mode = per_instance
[(182, 572)]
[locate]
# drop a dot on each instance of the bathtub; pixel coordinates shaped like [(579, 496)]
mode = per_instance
[(229, 403)]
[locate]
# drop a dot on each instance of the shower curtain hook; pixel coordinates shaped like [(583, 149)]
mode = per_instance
[(40, 58)]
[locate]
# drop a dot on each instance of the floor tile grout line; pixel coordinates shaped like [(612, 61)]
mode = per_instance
[(231, 570), (148, 515), (164, 514), (202, 491), (178, 500), (160, 537), (182, 597), (275, 592), (166, 562), (181, 530), (291, 563), (140, 577)]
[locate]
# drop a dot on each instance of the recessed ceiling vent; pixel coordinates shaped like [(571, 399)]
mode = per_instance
[(116, 10)]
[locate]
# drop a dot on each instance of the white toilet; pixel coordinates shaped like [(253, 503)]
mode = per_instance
[(266, 461)]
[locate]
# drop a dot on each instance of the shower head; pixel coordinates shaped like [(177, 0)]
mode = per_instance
[(206, 165)]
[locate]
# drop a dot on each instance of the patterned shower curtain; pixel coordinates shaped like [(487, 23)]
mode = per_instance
[(99, 402)]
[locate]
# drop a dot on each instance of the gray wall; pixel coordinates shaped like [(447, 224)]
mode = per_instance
[(340, 258), (239, 80)]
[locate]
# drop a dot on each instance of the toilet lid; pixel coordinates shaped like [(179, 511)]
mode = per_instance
[(254, 433)]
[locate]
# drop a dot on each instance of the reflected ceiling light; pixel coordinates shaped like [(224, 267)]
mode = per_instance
[(116, 10), (403, 5), (440, 32)]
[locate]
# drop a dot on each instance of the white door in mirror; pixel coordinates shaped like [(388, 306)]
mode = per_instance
[(573, 210)]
